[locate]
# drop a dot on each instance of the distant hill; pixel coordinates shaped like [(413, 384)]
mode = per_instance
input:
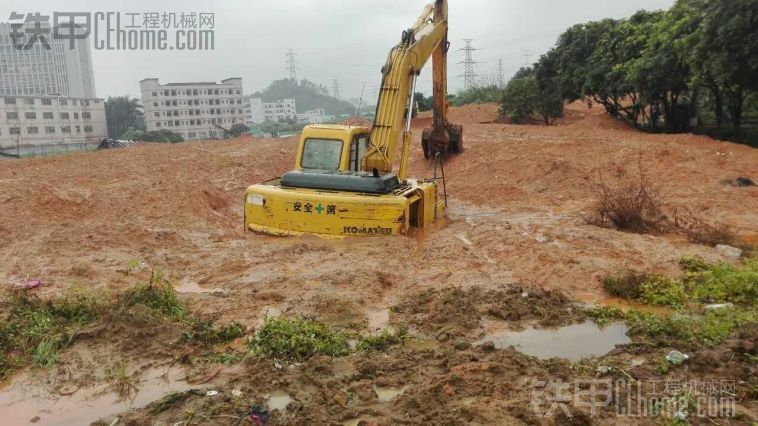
[(307, 95)]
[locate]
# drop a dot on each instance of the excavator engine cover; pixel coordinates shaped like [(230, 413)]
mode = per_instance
[(341, 181)]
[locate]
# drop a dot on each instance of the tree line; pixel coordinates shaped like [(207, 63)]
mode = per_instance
[(694, 65)]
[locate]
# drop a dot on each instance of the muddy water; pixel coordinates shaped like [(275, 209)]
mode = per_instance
[(387, 393), (572, 342), (24, 400), (623, 304), (278, 400)]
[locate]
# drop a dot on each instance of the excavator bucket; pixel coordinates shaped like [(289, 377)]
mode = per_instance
[(448, 143)]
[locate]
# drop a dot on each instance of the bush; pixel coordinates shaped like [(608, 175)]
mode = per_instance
[(627, 285), (662, 290), (632, 206), (161, 136), (478, 95), (297, 340)]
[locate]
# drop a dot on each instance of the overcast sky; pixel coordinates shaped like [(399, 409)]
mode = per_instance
[(347, 40)]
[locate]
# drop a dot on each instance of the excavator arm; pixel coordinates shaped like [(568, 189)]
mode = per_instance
[(426, 38)]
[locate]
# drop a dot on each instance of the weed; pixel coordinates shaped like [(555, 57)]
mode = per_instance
[(222, 358), (628, 284), (693, 264), (602, 315), (663, 366), (124, 384), (699, 231), (662, 290), (708, 329), (383, 341), (204, 332), (46, 352), (297, 340), (724, 282), (157, 294), (633, 205)]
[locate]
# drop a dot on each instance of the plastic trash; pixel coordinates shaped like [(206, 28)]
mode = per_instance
[(29, 284), (677, 358), (715, 306), (212, 393), (237, 393)]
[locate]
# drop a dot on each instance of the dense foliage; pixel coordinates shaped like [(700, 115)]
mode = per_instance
[(307, 96), (695, 65)]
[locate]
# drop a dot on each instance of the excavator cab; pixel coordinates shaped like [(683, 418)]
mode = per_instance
[(329, 147)]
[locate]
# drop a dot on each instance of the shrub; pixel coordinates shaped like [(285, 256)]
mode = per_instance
[(627, 285), (297, 340), (662, 290), (633, 205)]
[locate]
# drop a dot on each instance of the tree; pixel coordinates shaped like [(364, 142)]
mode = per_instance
[(727, 51), (520, 99), (238, 129), (122, 114), (478, 95), (549, 102), (424, 103)]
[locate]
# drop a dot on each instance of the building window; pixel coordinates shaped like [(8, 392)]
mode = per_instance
[(10, 101), (30, 115), (47, 115), (63, 102), (64, 116), (11, 115), (66, 129), (73, 102), (78, 129), (157, 114), (14, 130), (87, 115), (76, 115), (46, 102), (28, 101), (49, 129), (32, 130), (155, 104), (158, 124), (88, 129), (155, 94)]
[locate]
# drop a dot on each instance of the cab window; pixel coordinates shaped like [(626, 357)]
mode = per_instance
[(357, 150), (321, 154)]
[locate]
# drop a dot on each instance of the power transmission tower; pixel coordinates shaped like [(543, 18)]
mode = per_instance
[(291, 64), (469, 76), (336, 88), (500, 81)]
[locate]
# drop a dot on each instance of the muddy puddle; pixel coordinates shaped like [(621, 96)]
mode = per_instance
[(278, 400), (385, 393), (572, 342), (623, 304), (24, 400)]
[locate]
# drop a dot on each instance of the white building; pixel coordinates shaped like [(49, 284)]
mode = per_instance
[(193, 110), (40, 71), (257, 111), (34, 124), (316, 116)]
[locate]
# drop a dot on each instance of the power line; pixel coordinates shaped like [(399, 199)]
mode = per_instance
[(469, 76), (291, 64), (336, 88)]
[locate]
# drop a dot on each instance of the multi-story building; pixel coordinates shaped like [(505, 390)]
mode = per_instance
[(316, 116), (53, 122), (257, 111), (193, 110), (37, 71)]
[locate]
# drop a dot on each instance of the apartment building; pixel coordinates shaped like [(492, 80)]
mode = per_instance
[(28, 122), (315, 116), (257, 111), (38, 71), (199, 110)]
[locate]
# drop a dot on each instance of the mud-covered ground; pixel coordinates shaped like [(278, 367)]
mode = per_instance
[(516, 252)]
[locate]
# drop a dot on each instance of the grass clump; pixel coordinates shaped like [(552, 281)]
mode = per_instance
[(382, 342), (298, 340), (724, 282), (157, 294), (603, 315), (708, 329), (207, 334), (662, 290), (37, 329)]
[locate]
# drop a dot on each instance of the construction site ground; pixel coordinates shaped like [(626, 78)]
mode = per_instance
[(516, 237)]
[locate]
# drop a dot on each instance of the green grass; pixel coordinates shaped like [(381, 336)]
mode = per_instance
[(382, 342), (205, 333), (702, 283), (297, 340), (157, 294)]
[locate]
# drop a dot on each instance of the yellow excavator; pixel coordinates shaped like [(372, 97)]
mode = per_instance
[(344, 182)]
